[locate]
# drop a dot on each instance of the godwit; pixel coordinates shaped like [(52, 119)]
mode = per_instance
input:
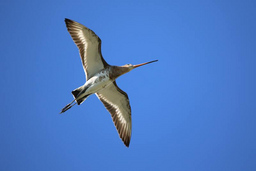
[(100, 79)]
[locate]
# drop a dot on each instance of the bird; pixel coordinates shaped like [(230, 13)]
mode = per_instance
[(101, 79)]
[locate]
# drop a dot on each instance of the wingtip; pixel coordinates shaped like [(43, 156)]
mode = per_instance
[(127, 144), (68, 20)]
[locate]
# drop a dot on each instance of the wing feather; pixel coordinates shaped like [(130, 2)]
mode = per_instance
[(117, 103), (89, 45)]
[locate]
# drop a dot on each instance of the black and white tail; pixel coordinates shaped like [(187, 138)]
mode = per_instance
[(77, 99), (77, 95)]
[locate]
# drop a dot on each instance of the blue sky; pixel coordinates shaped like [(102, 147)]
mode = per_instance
[(193, 110)]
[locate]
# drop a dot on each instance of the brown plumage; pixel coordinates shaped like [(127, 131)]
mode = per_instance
[(100, 79)]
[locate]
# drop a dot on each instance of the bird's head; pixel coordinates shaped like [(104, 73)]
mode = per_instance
[(118, 71), (130, 67)]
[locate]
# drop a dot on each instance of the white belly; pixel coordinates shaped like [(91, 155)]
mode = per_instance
[(97, 82)]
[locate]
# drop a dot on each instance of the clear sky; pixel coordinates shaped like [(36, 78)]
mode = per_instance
[(193, 110)]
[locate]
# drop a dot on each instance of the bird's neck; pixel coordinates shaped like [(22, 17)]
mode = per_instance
[(116, 71)]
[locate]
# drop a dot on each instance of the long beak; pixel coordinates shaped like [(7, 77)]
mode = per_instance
[(135, 66)]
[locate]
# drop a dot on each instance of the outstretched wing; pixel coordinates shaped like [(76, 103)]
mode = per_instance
[(117, 103), (89, 45)]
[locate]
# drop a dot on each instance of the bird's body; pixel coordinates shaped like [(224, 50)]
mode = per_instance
[(100, 79), (94, 84)]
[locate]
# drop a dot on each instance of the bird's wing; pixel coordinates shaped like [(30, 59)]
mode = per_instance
[(117, 103), (89, 45)]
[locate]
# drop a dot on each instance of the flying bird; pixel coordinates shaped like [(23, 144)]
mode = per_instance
[(100, 79)]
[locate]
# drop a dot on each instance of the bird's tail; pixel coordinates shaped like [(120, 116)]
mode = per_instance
[(77, 98), (77, 92)]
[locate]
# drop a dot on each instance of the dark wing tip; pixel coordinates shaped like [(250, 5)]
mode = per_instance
[(127, 143), (68, 20), (124, 135)]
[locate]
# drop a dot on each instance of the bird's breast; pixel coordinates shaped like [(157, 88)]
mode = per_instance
[(102, 76)]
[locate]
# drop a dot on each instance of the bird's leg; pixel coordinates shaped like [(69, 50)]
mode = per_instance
[(68, 106)]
